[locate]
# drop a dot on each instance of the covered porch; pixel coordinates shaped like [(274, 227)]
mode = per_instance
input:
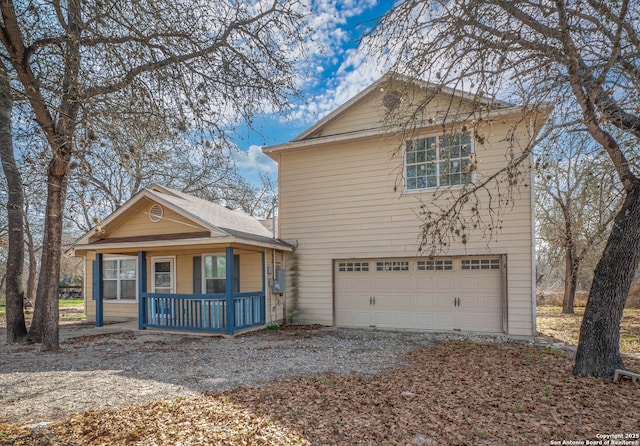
[(173, 261), (228, 289)]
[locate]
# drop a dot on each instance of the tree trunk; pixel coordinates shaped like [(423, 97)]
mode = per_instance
[(33, 262), (570, 283), (16, 328), (44, 327), (598, 351), (570, 269)]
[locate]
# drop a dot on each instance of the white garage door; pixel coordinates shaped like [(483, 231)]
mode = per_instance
[(440, 294)]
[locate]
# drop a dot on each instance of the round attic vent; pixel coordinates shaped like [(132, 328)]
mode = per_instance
[(155, 213), (392, 99)]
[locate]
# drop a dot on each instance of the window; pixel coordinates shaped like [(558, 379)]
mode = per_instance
[(353, 266), (215, 273), (435, 265), (392, 266), (438, 161), (481, 264), (119, 278)]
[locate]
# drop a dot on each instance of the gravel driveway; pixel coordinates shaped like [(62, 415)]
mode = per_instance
[(128, 367)]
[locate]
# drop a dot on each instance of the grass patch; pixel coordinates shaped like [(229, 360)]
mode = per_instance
[(71, 310), (566, 327), (66, 303)]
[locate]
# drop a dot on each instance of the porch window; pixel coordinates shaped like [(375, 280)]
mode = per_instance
[(438, 161), (119, 278), (215, 273)]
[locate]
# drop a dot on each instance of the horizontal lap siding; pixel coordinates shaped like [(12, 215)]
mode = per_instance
[(370, 114), (113, 310), (339, 202), (135, 222)]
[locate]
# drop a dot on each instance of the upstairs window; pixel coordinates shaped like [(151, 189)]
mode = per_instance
[(438, 161)]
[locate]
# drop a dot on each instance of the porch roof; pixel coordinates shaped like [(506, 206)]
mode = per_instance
[(222, 225)]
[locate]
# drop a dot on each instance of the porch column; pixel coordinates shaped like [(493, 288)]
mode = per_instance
[(142, 289), (264, 275), (231, 311), (264, 289), (98, 290)]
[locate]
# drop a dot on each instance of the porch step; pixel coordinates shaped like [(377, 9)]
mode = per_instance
[(619, 372)]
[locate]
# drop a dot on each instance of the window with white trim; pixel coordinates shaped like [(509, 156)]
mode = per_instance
[(435, 265), (438, 161), (481, 264), (119, 278), (392, 266), (214, 273)]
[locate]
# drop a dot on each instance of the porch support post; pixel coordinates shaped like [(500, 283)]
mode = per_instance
[(229, 292), (264, 287), (264, 274), (142, 289), (99, 290)]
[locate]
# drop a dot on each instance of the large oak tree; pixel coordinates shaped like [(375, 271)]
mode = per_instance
[(581, 56)]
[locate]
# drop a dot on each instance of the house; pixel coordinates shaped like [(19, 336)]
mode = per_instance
[(351, 189), (174, 261)]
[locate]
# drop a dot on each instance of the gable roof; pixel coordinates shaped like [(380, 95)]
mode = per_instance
[(212, 216), (379, 84), (314, 135)]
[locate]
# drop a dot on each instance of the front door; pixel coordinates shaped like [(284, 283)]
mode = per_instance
[(163, 283), (163, 279)]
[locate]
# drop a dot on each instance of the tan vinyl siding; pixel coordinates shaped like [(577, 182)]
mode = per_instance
[(135, 222), (250, 272), (113, 311), (370, 114), (339, 202)]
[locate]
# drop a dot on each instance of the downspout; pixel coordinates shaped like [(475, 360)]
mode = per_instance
[(532, 207), (274, 210), (284, 295)]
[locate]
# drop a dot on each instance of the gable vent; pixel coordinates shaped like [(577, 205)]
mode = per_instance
[(155, 213), (392, 99)]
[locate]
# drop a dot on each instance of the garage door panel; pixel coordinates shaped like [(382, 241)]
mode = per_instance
[(444, 283), (420, 298), (443, 321), (490, 305), (424, 304), (444, 302)]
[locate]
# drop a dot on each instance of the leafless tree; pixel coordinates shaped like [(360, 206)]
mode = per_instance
[(16, 328), (201, 66), (577, 199), (583, 57)]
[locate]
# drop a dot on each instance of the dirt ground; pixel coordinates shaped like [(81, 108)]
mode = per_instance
[(454, 393), (451, 393)]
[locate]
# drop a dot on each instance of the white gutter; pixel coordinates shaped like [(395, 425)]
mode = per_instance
[(137, 246), (307, 143)]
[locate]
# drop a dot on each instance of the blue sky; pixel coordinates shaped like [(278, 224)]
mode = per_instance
[(338, 72)]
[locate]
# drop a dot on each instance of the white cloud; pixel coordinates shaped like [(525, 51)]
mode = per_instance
[(356, 71), (253, 161)]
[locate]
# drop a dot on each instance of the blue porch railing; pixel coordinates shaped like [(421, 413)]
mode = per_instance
[(201, 312)]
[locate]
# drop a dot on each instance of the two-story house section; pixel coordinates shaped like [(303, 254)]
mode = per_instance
[(350, 191)]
